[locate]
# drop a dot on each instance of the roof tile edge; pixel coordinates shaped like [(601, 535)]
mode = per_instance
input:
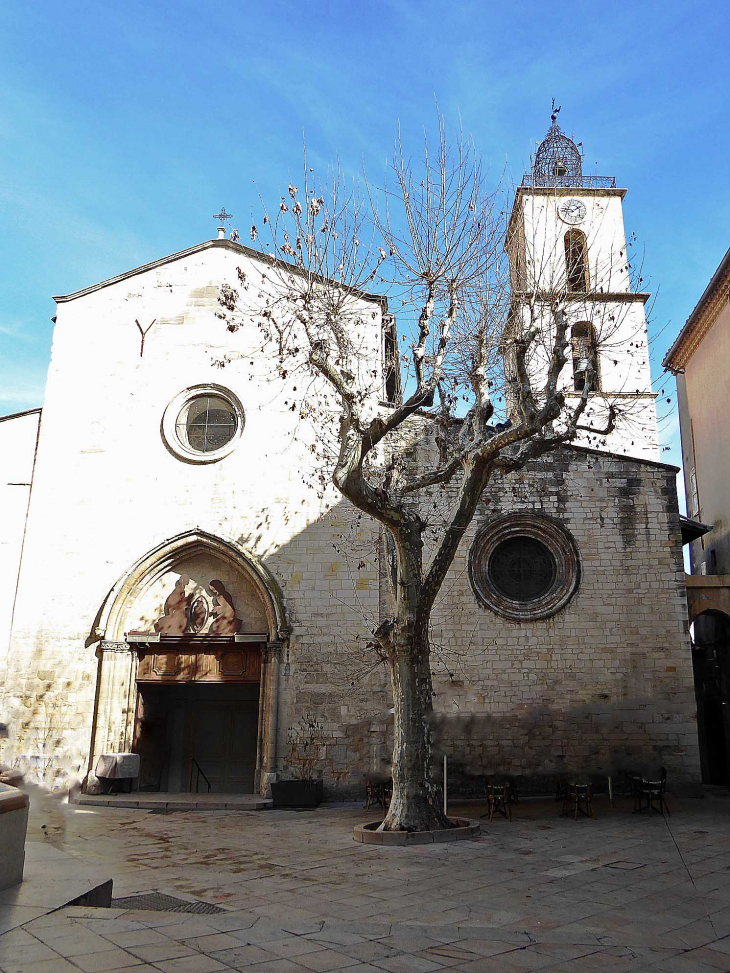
[(699, 322)]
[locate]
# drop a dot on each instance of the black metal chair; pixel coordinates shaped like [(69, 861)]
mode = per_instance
[(378, 791), (499, 799), (578, 800), (649, 795)]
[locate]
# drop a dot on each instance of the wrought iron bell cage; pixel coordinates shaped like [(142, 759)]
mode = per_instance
[(558, 161)]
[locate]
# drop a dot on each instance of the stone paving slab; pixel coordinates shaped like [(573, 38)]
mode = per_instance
[(51, 878), (622, 893)]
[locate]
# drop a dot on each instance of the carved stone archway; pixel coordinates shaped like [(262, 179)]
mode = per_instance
[(117, 669)]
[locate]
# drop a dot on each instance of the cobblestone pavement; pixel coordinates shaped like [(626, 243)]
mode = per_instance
[(621, 893)]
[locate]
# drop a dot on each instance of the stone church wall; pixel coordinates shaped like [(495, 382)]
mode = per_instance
[(330, 582), (603, 686), (606, 684)]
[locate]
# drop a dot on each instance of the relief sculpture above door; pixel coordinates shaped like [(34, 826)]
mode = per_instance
[(191, 609), (191, 629)]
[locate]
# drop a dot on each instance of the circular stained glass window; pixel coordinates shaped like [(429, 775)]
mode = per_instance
[(203, 424), (207, 423), (524, 566), (522, 569)]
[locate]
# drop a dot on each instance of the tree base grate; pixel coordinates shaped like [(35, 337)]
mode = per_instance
[(159, 902)]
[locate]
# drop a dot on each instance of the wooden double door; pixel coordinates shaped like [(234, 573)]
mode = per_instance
[(181, 728)]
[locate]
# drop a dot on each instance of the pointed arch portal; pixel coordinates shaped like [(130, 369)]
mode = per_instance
[(189, 650)]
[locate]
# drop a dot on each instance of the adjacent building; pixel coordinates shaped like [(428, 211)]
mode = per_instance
[(699, 359)]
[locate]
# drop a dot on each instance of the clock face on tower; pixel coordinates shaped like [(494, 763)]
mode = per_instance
[(572, 211)]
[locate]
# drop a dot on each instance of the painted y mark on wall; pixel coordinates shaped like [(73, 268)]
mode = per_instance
[(144, 333)]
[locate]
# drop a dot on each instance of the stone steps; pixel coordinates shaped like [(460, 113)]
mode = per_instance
[(162, 801)]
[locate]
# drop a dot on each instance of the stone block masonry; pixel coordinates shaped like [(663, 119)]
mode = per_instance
[(603, 686)]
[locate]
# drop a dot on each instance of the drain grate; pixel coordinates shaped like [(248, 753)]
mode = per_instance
[(159, 902)]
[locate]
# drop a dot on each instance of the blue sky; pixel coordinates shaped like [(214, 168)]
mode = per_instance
[(125, 125)]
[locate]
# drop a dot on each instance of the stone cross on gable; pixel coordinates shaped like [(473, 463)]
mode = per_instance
[(222, 218)]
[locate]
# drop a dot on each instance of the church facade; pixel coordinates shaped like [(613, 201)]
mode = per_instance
[(177, 589)]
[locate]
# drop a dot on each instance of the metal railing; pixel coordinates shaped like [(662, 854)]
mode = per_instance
[(571, 182), (199, 774)]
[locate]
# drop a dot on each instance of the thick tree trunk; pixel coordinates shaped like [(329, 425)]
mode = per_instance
[(413, 807)]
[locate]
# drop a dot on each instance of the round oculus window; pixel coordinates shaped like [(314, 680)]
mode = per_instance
[(206, 423), (524, 566), (203, 424)]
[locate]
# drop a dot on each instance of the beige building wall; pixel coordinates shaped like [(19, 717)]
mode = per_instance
[(18, 438), (704, 395), (699, 359)]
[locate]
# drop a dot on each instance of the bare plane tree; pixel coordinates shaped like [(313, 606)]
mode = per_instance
[(437, 239)]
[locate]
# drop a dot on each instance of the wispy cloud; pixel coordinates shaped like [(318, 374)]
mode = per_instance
[(16, 330)]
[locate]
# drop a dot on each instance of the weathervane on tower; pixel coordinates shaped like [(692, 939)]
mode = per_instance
[(554, 113)]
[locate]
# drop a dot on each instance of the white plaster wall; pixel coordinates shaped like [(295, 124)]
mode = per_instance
[(603, 226), (624, 377), (18, 436), (636, 431), (620, 324), (107, 489)]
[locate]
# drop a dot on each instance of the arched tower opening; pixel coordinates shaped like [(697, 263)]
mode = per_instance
[(584, 346), (577, 276)]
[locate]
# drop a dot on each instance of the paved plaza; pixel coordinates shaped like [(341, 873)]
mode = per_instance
[(621, 893)]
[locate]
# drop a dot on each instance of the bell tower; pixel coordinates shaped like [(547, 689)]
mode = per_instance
[(568, 253)]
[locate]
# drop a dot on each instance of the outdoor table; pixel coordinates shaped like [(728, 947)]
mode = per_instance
[(118, 766)]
